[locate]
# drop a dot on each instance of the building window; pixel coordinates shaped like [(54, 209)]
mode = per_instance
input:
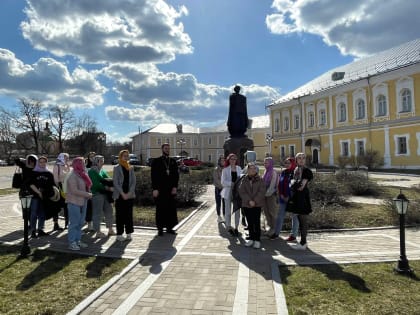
[(296, 120), (381, 105), (345, 150), (195, 141), (402, 145), (292, 150), (342, 112), (209, 157), (282, 152), (406, 100), (360, 147), (209, 140), (311, 119), (276, 125), (286, 123), (360, 109), (159, 141), (322, 117)]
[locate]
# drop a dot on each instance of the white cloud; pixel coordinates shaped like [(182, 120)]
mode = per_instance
[(356, 27), (171, 97), (107, 31), (49, 81)]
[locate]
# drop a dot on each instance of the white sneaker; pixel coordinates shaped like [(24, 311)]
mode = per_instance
[(128, 238), (257, 244), (99, 235), (249, 243), (82, 245), (74, 246), (299, 246), (220, 219), (120, 238)]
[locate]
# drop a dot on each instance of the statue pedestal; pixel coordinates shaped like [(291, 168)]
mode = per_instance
[(238, 146)]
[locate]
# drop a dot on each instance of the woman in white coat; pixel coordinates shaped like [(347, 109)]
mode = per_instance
[(230, 174)]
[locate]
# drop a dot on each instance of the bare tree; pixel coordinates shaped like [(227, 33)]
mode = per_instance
[(84, 135), (7, 137), (62, 122), (27, 118)]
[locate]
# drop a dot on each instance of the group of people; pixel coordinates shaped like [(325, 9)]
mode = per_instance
[(245, 191), (85, 193)]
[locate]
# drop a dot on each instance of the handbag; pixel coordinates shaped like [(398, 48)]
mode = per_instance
[(17, 179)]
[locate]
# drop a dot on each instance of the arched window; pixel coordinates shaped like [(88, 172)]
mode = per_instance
[(381, 105), (360, 114), (342, 112), (406, 100)]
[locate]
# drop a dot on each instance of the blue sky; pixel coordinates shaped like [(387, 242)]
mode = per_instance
[(136, 63)]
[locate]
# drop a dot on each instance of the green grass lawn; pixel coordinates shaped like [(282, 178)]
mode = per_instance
[(350, 289), (49, 282)]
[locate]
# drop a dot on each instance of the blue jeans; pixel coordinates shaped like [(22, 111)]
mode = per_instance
[(76, 220), (280, 219), (37, 214)]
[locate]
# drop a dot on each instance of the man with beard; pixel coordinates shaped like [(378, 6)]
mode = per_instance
[(164, 184)]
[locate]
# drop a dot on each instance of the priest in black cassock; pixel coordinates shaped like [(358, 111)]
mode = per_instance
[(165, 178)]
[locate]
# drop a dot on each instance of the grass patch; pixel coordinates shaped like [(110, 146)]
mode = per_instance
[(8, 191), (350, 289), (49, 282)]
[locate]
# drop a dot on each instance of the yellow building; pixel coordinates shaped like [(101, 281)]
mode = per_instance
[(205, 144), (369, 104)]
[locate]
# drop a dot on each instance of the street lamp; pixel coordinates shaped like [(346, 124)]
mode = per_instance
[(25, 202), (269, 139), (181, 142), (401, 203)]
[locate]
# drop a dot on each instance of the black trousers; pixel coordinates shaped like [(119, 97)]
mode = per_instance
[(124, 215), (253, 217), (166, 214), (303, 225)]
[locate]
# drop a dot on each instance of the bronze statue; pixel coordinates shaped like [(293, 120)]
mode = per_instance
[(237, 122)]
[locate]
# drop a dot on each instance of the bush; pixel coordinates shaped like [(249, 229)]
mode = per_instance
[(345, 161), (371, 159), (357, 183), (190, 186)]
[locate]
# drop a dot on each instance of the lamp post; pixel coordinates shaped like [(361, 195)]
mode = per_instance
[(401, 203), (181, 142), (25, 202), (269, 139)]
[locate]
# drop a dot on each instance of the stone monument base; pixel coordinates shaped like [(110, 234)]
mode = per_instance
[(238, 146)]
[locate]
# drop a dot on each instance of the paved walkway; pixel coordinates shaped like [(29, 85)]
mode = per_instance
[(202, 270)]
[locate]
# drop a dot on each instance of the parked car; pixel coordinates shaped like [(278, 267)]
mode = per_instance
[(114, 160), (189, 161), (3, 163), (134, 160)]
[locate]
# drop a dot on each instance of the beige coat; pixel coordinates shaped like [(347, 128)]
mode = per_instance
[(76, 190)]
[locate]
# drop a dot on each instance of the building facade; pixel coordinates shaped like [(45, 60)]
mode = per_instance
[(205, 144), (368, 105)]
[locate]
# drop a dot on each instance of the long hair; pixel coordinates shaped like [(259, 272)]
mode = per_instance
[(227, 163)]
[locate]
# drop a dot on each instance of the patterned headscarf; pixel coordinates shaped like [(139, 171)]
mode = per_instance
[(80, 169), (269, 170), (122, 162), (38, 167), (61, 159), (95, 162)]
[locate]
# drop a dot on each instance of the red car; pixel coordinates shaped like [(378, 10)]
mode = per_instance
[(191, 162)]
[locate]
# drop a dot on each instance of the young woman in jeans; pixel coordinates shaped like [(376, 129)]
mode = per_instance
[(284, 195), (78, 186)]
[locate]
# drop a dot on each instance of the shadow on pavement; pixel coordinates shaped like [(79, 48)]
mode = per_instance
[(159, 250)]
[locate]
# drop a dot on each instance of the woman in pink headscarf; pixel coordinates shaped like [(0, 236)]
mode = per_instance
[(77, 187), (270, 207)]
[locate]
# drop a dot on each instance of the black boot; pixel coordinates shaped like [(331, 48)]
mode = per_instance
[(57, 227)]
